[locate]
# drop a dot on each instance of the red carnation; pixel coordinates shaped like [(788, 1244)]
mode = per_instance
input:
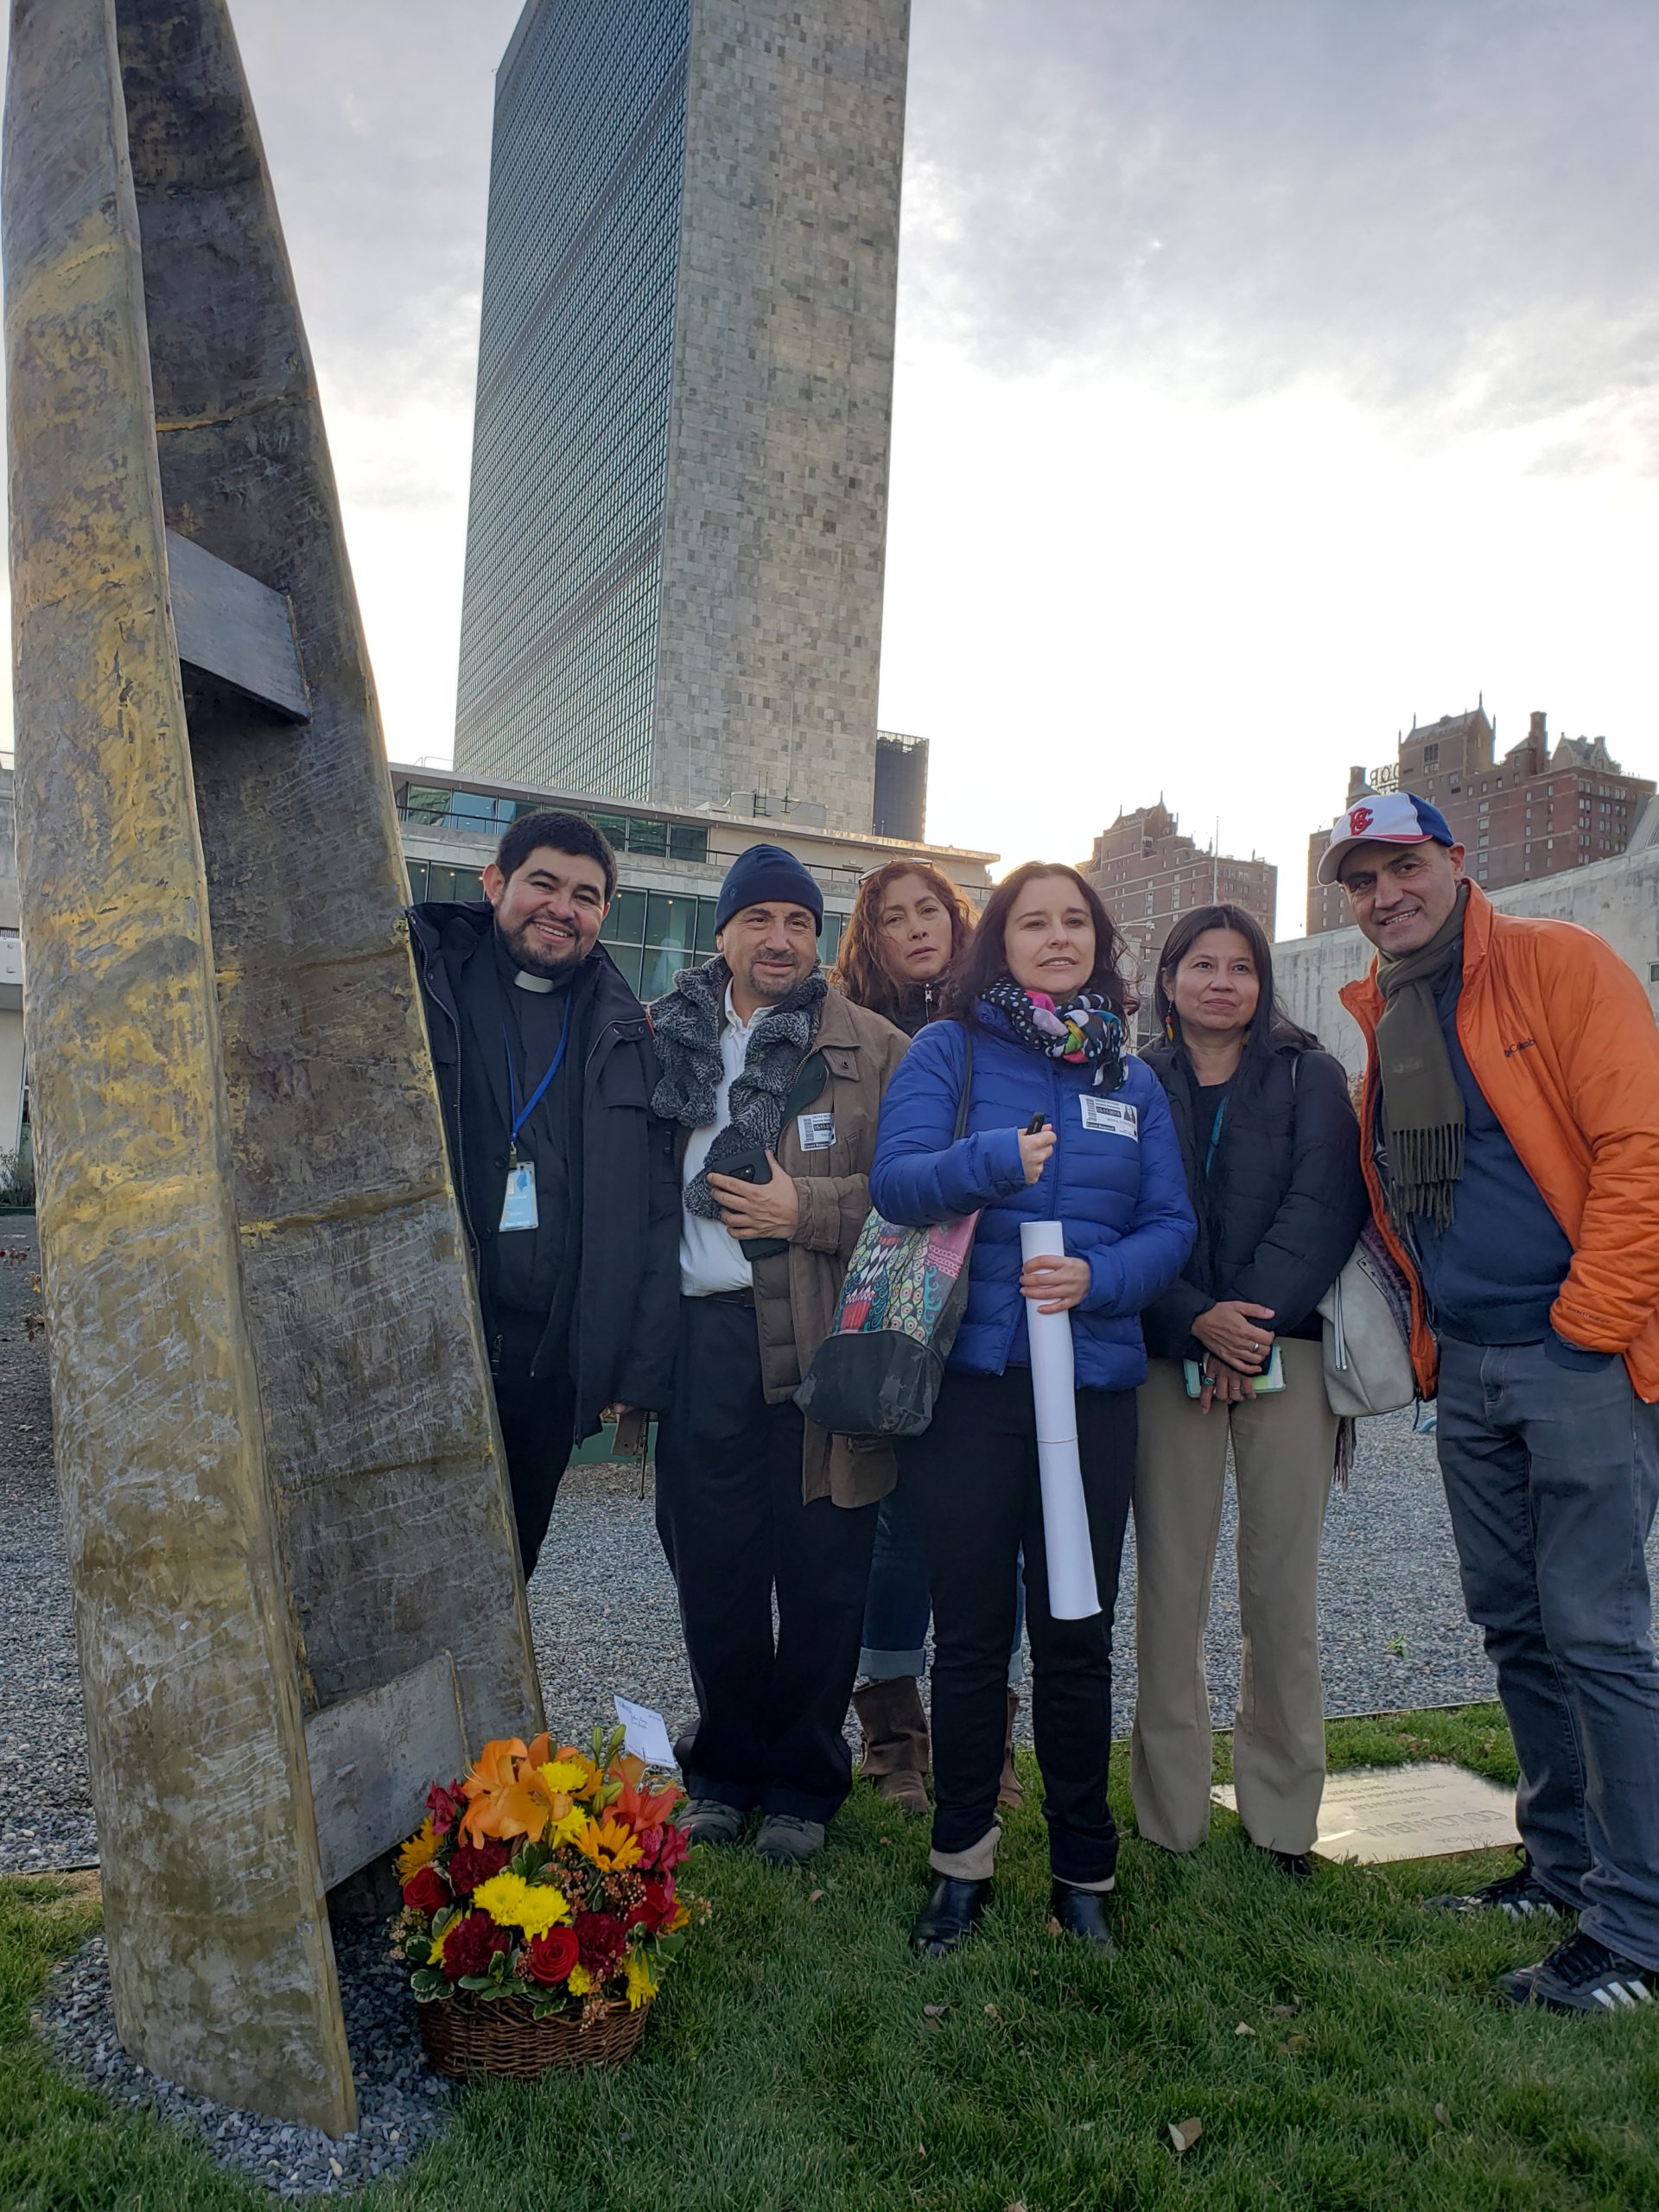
[(469, 1944), (473, 1863), (446, 1806), (600, 1940), (424, 1892), (551, 1956)]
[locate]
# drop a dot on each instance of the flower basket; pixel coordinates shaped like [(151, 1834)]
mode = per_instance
[(540, 1909), (473, 2035)]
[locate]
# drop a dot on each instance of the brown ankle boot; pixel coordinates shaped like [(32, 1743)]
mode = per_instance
[(895, 1741), (1008, 1790)]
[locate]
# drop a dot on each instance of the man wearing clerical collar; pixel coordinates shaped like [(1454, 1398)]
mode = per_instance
[(545, 1067)]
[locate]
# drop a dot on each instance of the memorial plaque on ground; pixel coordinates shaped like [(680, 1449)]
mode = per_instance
[(1373, 1813)]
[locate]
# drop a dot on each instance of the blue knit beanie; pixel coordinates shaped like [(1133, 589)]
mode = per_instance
[(761, 874)]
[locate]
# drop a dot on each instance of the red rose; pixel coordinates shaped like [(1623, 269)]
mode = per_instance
[(601, 1941), (469, 1944), (473, 1863), (551, 1956), (446, 1806), (424, 1892)]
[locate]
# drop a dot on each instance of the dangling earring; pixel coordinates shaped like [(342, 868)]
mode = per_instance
[(1169, 1028)]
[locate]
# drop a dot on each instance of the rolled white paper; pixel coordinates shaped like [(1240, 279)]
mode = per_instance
[(1072, 1595)]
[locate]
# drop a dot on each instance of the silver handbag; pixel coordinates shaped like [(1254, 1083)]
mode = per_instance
[(1366, 1315)]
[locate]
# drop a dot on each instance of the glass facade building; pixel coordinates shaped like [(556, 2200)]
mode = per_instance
[(564, 540)]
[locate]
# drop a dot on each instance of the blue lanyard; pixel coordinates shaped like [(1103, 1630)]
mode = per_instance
[(519, 1117), (1215, 1130)]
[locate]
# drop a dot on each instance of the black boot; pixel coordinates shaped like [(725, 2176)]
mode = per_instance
[(1082, 1913), (950, 1915)]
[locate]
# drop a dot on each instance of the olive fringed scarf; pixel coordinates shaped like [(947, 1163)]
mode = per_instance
[(1422, 1107)]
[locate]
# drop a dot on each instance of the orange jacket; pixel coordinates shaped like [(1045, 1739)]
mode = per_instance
[(1560, 1038)]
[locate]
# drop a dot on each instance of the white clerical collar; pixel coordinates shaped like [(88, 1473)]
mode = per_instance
[(529, 983)]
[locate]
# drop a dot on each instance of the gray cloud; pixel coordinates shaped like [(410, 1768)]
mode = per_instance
[(1446, 207)]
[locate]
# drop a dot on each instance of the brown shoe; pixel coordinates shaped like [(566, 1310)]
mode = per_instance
[(1008, 1790), (896, 1745)]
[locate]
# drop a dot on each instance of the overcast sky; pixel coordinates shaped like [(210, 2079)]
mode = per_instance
[(1269, 370)]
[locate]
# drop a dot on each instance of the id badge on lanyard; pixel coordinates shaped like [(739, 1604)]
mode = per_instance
[(518, 1200)]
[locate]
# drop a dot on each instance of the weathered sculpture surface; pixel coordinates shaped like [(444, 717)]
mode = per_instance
[(281, 1485)]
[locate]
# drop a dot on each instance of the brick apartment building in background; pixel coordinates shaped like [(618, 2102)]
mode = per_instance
[(1148, 874), (1532, 813)]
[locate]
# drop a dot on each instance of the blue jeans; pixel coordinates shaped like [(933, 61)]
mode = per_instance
[(1551, 1466), (899, 1608)]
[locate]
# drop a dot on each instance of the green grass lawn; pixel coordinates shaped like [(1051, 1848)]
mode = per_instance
[(802, 2058)]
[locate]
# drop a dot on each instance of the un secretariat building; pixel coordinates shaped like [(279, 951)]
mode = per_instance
[(676, 530)]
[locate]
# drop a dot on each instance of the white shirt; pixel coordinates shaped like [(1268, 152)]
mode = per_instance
[(709, 1256)]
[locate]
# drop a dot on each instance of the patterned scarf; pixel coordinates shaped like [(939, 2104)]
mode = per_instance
[(688, 1023), (1085, 1032)]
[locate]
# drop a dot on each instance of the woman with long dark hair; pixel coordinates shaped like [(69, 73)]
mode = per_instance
[(908, 928), (1062, 1124), (1271, 1151)]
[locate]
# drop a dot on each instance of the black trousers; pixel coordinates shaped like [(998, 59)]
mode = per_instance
[(972, 1485), (737, 1534), (539, 1418)]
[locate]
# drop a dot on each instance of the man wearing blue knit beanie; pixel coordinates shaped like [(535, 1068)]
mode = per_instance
[(774, 1083)]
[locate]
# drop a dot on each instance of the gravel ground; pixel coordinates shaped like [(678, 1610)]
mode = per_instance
[(400, 2101), (1393, 1633)]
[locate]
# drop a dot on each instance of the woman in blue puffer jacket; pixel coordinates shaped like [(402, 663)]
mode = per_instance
[(1040, 992)]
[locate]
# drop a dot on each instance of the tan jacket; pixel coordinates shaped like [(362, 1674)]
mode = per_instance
[(796, 1292)]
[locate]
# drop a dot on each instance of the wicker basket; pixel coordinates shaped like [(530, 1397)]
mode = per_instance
[(463, 2035)]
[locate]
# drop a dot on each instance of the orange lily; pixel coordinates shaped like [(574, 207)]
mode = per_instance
[(644, 1808), (531, 1805), (609, 1845), (494, 1772)]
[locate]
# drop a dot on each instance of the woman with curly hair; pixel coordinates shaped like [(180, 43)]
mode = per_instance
[(906, 932)]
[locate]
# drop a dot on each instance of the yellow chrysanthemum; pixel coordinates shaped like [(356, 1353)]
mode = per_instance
[(418, 1852), (642, 1987), (568, 1829), (511, 1901), (579, 1981), (610, 1846), (566, 1774)]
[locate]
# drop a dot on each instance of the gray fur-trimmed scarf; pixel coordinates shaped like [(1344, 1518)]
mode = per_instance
[(688, 1023)]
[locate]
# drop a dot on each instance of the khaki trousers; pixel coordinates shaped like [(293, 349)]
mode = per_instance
[(1283, 1450)]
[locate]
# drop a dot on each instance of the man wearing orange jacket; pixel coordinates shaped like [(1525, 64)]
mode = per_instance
[(1510, 1142)]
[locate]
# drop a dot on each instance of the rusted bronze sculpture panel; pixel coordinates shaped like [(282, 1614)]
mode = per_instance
[(282, 1482)]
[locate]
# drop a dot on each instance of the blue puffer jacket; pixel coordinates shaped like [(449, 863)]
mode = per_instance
[(1118, 1186)]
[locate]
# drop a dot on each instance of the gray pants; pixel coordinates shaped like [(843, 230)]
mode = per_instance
[(1284, 1447), (1552, 1473)]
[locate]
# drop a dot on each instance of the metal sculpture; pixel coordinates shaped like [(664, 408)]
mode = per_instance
[(296, 1587)]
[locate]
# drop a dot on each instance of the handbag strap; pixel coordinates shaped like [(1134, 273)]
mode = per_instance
[(810, 1080), (967, 1084)]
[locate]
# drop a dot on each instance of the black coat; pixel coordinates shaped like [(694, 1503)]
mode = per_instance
[(628, 1294), (1283, 1204)]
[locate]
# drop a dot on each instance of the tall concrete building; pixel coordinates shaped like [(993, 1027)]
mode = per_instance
[(1534, 810), (677, 527)]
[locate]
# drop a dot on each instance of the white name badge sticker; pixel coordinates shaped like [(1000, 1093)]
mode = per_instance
[(518, 1204), (816, 1131), (1113, 1116)]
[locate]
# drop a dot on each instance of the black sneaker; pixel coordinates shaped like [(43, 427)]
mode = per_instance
[(1519, 1896), (1581, 1975)]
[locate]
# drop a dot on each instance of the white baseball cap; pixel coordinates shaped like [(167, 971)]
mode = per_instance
[(1383, 819)]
